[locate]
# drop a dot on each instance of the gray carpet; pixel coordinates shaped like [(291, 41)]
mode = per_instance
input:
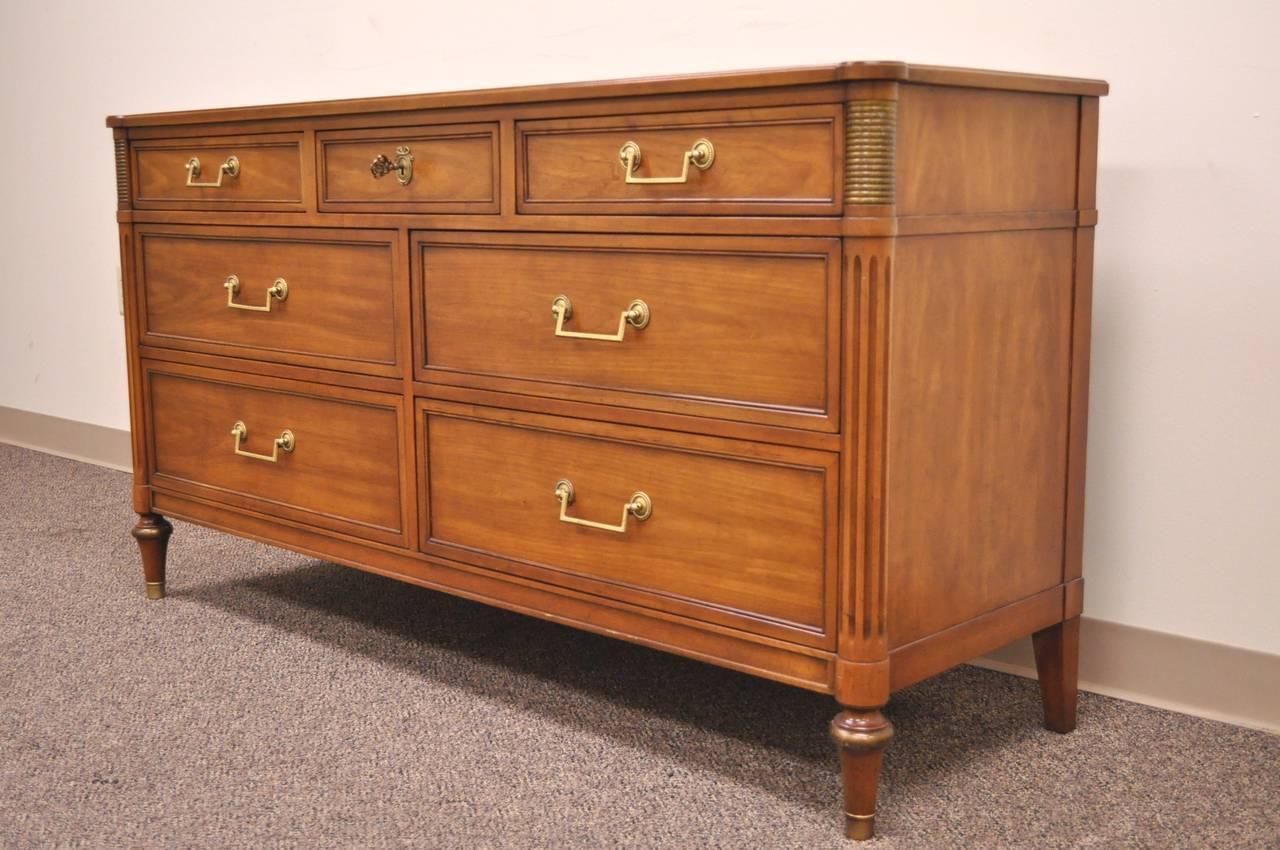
[(275, 701)]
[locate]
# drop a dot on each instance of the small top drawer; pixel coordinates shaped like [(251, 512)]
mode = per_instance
[(450, 168), (224, 172), (775, 161)]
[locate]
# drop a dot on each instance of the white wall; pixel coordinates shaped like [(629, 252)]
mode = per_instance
[(1183, 531)]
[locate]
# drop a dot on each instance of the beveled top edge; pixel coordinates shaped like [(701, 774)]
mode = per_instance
[(734, 80)]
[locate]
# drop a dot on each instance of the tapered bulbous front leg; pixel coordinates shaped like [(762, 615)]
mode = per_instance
[(152, 533), (861, 735)]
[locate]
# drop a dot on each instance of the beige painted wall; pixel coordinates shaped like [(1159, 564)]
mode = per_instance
[(1183, 526)]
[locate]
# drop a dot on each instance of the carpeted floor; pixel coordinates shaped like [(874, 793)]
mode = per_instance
[(275, 701)]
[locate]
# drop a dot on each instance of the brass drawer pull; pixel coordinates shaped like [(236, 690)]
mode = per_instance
[(636, 315), (278, 290), (403, 165), (702, 154), (284, 441), (230, 168), (639, 506)]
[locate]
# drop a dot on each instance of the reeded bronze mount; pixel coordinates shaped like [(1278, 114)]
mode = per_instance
[(870, 131)]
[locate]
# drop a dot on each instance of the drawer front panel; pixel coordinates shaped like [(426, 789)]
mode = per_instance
[(235, 172), (344, 469), (744, 321), (448, 169), (757, 161), (744, 540), (337, 310)]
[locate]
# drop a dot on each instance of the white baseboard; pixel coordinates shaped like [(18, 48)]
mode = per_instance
[(1168, 671), (1173, 672), (96, 444)]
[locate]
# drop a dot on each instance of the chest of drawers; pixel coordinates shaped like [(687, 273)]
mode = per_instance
[(786, 371)]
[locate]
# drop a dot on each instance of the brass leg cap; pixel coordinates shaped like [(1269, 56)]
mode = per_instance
[(860, 827), (155, 590)]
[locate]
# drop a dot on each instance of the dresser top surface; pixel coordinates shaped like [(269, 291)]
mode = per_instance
[(728, 81)]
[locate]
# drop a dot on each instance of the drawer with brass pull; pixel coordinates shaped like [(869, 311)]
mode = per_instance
[(262, 172), (323, 298), (321, 456), (739, 328), (737, 533), (451, 168), (768, 161)]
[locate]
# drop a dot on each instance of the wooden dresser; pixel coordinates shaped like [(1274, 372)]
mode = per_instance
[(786, 371)]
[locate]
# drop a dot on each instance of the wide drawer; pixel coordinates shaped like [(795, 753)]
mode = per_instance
[(781, 160), (224, 172), (737, 533), (740, 328), (323, 298), (322, 456), (438, 169)]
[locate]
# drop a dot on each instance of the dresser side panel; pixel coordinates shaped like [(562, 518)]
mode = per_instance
[(979, 376), (978, 151)]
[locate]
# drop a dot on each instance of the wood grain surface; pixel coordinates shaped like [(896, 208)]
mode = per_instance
[(343, 473), (732, 532), (739, 321), (455, 169), (767, 161), (340, 311), (270, 174)]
